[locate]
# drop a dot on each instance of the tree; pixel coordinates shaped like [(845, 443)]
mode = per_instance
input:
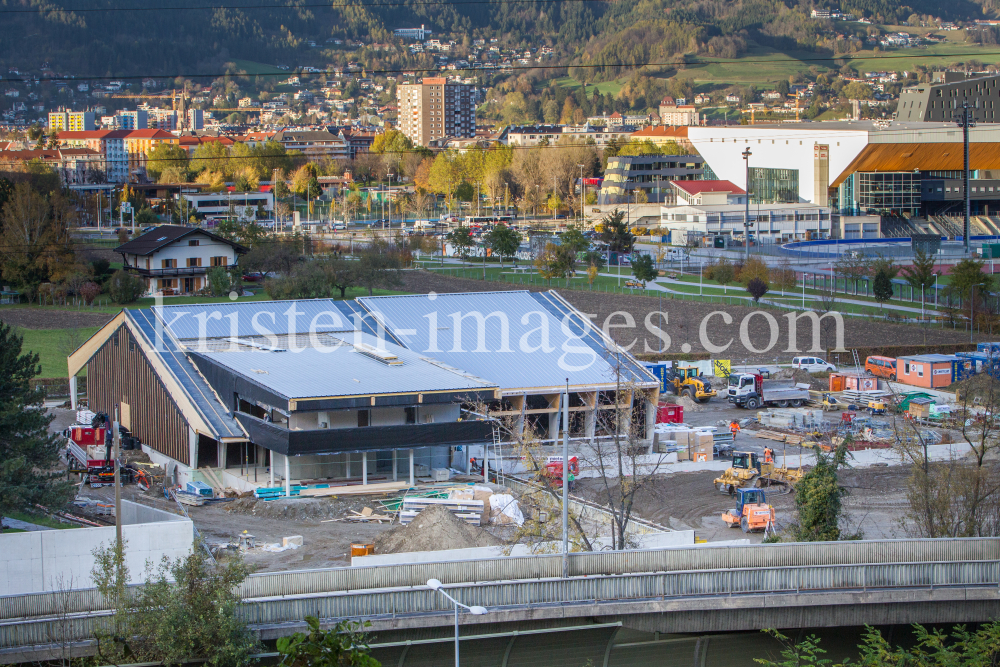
[(757, 288), (574, 238), (270, 257), (592, 273), (124, 288), (928, 648), (341, 273), (818, 500), (188, 609), (853, 266), (221, 281), (343, 645), (211, 156), (723, 272), (556, 261), (615, 232), (166, 156), (391, 141), (379, 265), (920, 275), (644, 268), (966, 276), (461, 238), (503, 241), (783, 276), (35, 246), (30, 453), (882, 287)]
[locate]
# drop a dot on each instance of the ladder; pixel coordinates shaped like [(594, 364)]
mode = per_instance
[(857, 362), (497, 452)]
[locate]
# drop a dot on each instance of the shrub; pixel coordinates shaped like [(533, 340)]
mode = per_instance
[(89, 291), (757, 288), (220, 281), (125, 288)]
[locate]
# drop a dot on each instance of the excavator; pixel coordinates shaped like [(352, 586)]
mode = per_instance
[(749, 471), (686, 381), (752, 513)]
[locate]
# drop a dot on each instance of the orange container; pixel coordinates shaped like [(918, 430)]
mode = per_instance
[(362, 549), (836, 382)]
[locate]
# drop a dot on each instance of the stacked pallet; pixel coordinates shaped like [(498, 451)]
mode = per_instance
[(469, 511)]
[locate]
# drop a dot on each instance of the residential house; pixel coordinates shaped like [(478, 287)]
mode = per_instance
[(176, 260), (314, 144), (138, 143)]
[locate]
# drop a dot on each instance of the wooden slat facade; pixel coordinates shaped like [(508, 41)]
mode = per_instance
[(119, 372)]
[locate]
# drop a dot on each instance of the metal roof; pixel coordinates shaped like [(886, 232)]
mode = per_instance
[(164, 235), (341, 370), (922, 157), (261, 318), (427, 324), (932, 358), (187, 376)]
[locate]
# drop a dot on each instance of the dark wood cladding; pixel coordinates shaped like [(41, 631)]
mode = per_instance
[(120, 373)]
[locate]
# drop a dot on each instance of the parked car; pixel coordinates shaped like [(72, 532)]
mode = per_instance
[(813, 364)]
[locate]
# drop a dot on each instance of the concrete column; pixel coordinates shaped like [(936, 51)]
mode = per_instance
[(554, 419), (193, 448), (395, 475), (486, 462), (72, 391), (288, 478), (590, 424), (468, 459), (270, 466), (364, 468), (411, 468), (347, 468), (650, 420)]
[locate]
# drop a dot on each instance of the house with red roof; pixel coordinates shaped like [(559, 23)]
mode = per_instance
[(708, 193)]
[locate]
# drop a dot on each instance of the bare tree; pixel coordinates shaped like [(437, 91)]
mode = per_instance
[(621, 454)]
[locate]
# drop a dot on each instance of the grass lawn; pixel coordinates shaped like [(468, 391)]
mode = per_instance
[(253, 68), (52, 348), (38, 519), (605, 87)]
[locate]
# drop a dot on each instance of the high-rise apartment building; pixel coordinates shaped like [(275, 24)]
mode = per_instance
[(72, 121), (434, 109), (133, 120), (195, 119)]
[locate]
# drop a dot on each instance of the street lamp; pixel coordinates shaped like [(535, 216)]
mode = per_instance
[(746, 213), (583, 194), (478, 611)]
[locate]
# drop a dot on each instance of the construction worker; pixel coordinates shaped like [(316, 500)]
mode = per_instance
[(768, 455), (734, 428)]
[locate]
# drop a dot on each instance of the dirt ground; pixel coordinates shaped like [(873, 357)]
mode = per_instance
[(683, 319), (40, 318)]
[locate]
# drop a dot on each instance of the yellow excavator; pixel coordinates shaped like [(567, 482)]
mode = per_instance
[(748, 471), (686, 381)]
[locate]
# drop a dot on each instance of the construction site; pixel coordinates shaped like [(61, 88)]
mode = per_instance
[(722, 466)]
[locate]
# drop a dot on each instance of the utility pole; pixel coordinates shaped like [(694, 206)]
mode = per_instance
[(965, 122), (583, 194), (565, 483), (746, 212), (118, 485)]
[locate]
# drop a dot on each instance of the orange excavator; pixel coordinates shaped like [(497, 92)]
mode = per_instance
[(752, 513)]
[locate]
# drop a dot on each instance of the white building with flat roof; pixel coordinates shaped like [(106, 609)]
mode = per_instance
[(771, 223)]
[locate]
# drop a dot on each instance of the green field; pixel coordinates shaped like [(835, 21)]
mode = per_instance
[(605, 87), (52, 346), (254, 69)]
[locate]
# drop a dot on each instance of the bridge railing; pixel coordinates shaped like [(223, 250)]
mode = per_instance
[(704, 585), (354, 579)]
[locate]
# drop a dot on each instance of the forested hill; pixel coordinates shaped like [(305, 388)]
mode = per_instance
[(188, 38)]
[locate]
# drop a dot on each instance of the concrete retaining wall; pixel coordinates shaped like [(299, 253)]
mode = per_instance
[(53, 560)]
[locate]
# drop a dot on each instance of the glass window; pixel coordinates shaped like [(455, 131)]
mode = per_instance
[(774, 186)]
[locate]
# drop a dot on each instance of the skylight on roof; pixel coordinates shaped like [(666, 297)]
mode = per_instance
[(162, 238)]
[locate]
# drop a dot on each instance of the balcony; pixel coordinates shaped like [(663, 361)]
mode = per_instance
[(365, 439), (172, 273)]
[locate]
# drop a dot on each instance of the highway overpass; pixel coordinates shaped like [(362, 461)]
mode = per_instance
[(679, 594)]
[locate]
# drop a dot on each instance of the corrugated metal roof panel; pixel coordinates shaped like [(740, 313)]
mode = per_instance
[(258, 318), (922, 157), (516, 339), (340, 370), (186, 375)]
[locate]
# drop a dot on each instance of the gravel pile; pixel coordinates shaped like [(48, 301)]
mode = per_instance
[(434, 529)]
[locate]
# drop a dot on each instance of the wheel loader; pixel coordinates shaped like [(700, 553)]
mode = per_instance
[(687, 382), (748, 471), (752, 513)]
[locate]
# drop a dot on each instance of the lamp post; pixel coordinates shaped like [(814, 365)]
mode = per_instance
[(965, 121), (583, 194), (478, 611), (746, 213)]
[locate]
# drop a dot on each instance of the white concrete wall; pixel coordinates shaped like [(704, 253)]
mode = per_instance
[(53, 560), (776, 147)]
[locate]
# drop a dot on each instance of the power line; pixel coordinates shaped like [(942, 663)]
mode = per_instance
[(679, 62), (320, 5)]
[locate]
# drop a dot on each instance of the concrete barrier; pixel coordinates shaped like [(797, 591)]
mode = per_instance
[(54, 560)]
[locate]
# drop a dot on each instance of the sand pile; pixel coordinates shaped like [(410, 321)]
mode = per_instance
[(434, 529), (689, 404)]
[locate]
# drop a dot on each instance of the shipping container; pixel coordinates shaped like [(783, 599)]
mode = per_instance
[(669, 413)]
